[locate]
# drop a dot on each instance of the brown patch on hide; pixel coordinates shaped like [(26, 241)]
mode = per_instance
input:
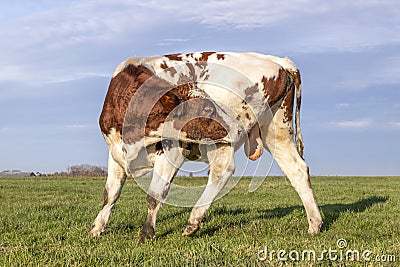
[(204, 75), (244, 105), (151, 202), (140, 123), (186, 82), (220, 56), (176, 57), (164, 65), (155, 100), (275, 88), (287, 106), (192, 71), (202, 128), (120, 91), (249, 92), (105, 197), (297, 80), (205, 55), (171, 70), (169, 101), (200, 120)]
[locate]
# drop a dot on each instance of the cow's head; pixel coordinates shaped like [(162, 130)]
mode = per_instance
[(201, 118)]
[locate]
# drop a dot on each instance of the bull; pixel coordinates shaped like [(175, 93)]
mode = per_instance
[(164, 110)]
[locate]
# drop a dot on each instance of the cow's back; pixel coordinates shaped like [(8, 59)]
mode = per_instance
[(246, 83)]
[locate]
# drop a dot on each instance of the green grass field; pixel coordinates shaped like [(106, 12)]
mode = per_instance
[(45, 222)]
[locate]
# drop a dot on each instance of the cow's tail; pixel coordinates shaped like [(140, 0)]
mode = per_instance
[(298, 135)]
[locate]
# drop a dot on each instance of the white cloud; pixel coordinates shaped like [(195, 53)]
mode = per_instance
[(172, 41), (90, 21), (238, 14), (342, 105), (352, 124), (358, 22), (250, 13), (382, 71), (51, 42), (4, 129), (356, 84), (394, 124)]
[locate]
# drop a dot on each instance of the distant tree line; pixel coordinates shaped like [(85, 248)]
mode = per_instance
[(86, 169), (73, 170)]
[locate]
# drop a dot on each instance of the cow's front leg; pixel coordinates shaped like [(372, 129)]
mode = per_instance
[(221, 168), (165, 167), (115, 181)]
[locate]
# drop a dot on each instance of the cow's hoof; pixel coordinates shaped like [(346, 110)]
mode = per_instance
[(315, 228), (96, 231), (190, 229), (147, 233)]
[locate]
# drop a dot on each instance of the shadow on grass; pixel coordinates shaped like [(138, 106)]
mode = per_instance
[(239, 215), (331, 212), (121, 228)]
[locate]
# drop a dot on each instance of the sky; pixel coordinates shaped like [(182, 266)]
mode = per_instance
[(57, 58)]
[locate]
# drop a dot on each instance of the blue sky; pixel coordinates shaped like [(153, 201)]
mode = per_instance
[(57, 58)]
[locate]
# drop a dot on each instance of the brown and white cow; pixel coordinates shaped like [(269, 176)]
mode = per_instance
[(160, 111)]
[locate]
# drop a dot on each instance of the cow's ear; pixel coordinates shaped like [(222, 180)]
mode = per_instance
[(172, 102), (169, 101)]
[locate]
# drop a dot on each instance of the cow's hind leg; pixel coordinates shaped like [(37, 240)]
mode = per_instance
[(279, 140), (115, 181), (165, 167), (298, 174), (221, 168)]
